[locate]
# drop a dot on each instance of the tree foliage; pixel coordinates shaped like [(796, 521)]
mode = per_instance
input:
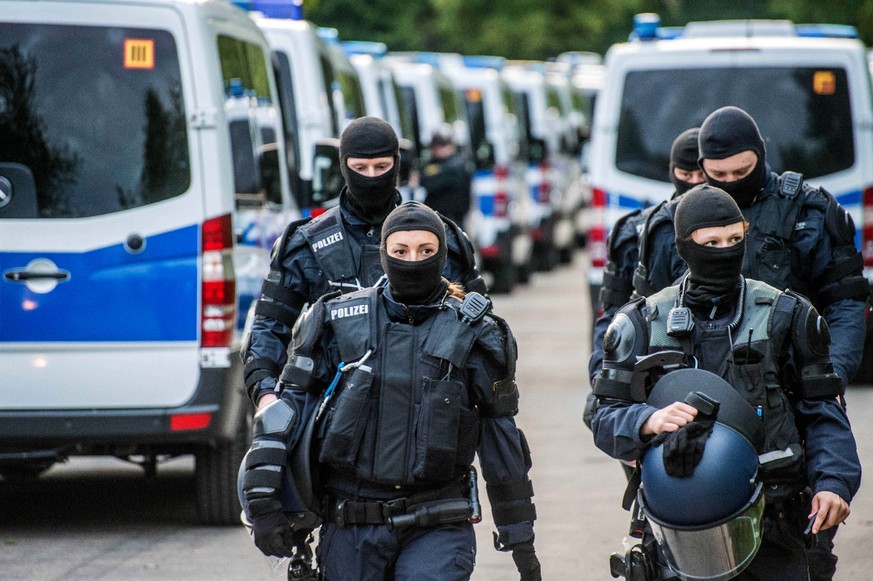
[(545, 28)]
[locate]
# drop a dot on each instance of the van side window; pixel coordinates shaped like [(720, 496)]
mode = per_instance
[(253, 117), (54, 116)]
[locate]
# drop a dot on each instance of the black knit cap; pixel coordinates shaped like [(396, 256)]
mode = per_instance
[(704, 206), (368, 137), (414, 215), (684, 153), (729, 131)]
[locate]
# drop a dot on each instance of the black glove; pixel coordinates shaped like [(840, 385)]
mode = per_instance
[(683, 449), (271, 528), (526, 562)]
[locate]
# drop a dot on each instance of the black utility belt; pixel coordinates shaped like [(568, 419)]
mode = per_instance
[(399, 512)]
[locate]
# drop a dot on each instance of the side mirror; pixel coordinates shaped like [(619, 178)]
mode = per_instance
[(17, 191), (327, 179), (536, 149), (485, 155)]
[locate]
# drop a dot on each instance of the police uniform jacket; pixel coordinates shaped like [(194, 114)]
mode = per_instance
[(403, 441), (296, 279), (825, 436)]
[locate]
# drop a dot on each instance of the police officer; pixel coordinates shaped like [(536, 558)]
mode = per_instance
[(447, 177), (799, 236), (770, 345), (427, 381), (622, 248), (339, 250)]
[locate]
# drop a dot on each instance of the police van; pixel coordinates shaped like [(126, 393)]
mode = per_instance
[(500, 225), (142, 180), (807, 86), (543, 126), (312, 104)]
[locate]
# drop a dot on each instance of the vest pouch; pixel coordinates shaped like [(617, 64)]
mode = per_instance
[(774, 266), (346, 424), (436, 442)]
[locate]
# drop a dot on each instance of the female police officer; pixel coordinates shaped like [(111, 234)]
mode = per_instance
[(417, 379), (771, 346)]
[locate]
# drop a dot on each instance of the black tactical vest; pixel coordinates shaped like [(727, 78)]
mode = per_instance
[(347, 264), (405, 417), (768, 241), (750, 365)]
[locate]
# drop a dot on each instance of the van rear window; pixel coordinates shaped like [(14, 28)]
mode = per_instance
[(804, 115), (96, 113)]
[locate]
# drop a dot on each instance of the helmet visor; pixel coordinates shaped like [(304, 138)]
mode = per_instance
[(712, 552)]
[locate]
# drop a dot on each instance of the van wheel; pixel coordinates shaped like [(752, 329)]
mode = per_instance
[(864, 376), (504, 277), (215, 477), (24, 472)]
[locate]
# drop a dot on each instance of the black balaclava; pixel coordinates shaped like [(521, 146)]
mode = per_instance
[(415, 282), (370, 137), (684, 155), (726, 132), (715, 272)]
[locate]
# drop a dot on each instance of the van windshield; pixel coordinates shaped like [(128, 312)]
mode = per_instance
[(804, 115), (96, 113)]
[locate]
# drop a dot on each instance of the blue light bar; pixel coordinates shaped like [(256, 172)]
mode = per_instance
[(646, 26), (292, 9), (329, 35), (375, 49), (484, 62), (826, 30)]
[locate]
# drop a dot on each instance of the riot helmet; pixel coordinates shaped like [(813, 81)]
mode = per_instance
[(709, 523)]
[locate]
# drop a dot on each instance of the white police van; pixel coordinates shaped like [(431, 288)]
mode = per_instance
[(142, 187), (311, 98), (543, 126), (500, 224), (807, 86)]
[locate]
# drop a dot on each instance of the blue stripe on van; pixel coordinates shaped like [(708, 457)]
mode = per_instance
[(111, 295)]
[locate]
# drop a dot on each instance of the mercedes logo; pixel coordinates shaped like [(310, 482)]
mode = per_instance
[(5, 192)]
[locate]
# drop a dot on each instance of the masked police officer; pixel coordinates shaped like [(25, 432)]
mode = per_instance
[(622, 248), (771, 346), (799, 236), (427, 381), (339, 250)]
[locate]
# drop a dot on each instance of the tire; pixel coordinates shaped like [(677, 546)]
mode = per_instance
[(25, 471), (215, 477), (504, 277), (864, 376)]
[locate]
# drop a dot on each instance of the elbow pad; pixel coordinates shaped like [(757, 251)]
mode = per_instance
[(812, 341), (268, 454), (624, 341)]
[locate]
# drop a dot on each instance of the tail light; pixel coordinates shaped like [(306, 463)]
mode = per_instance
[(545, 185), (597, 234), (218, 290), (501, 199), (867, 227)]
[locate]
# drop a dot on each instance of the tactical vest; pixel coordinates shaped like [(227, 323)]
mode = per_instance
[(751, 366), (768, 241), (405, 417), (661, 213), (347, 264)]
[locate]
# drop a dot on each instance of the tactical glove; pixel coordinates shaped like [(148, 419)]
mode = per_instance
[(526, 561), (270, 527), (683, 449)]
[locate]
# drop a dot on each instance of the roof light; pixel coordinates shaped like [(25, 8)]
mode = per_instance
[(376, 49), (292, 9), (646, 26), (484, 62), (329, 35), (827, 30)]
